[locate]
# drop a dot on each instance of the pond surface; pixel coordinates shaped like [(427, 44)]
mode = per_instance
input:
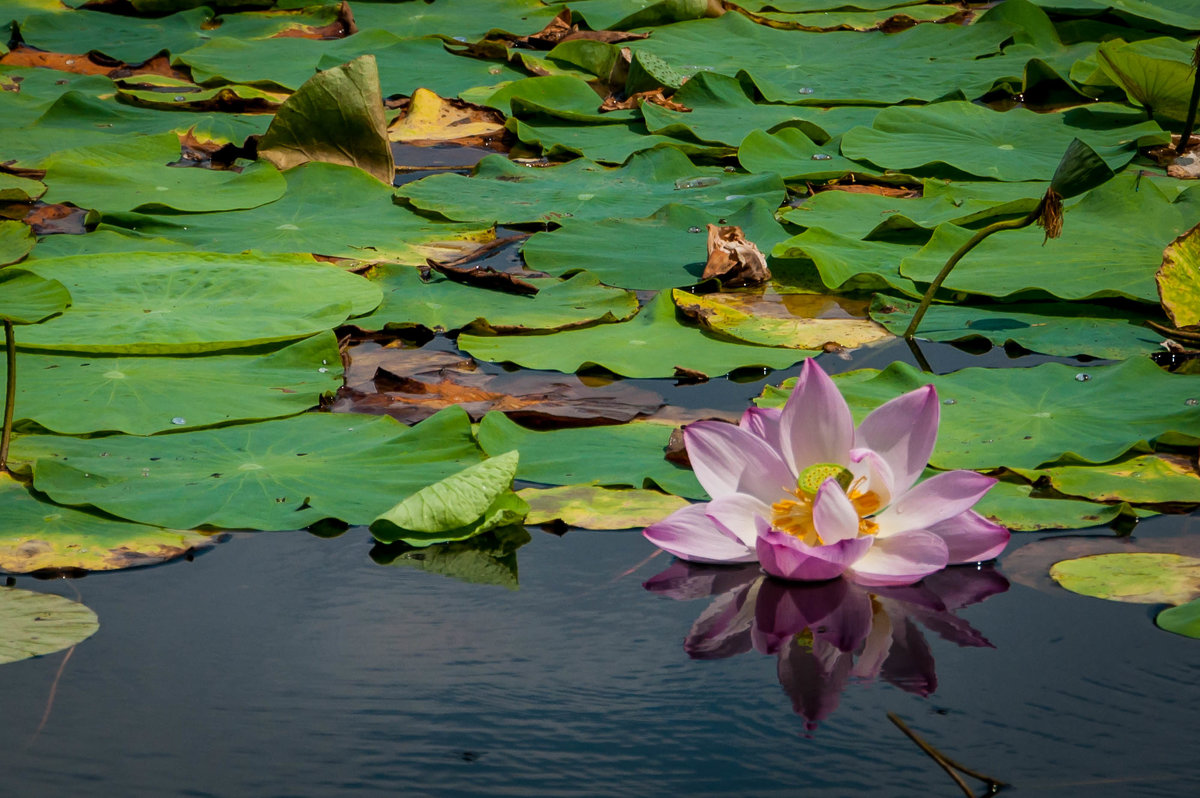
[(290, 665)]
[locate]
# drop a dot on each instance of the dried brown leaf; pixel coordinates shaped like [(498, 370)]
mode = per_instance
[(734, 260)]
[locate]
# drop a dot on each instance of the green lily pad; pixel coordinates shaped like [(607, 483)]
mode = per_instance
[(1155, 74), (30, 299), (663, 250), (272, 475), (801, 66), (1178, 279), (473, 501), (16, 241), (124, 38), (1024, 418), (501, 191), (794, 155), (468, 19), (863, 20), (723, 110), (1098, 255), (564, 97), (14, 188), (335, 117), (848, 264), (1136, 578), (79, 394), (1066, 329), (612, 144), (629, 454), (158, 303), (1182, 620), (35, 624), (1012, 145), (328, 210), (1178, 13), (1013, 506), (629, 14), (1145, 479), (651, 344), (488, 559), (443, 305), (36, 536), (865, 215), (135, 174), (593, 507), (768, 319)]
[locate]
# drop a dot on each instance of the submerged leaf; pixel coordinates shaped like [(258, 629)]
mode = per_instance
[(593, 507), (35, 624)]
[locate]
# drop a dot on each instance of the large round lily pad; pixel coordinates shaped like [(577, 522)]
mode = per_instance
[(34, 624), (1137, 578), (272, 475), (78, 394), (36, 536), (156, 303)]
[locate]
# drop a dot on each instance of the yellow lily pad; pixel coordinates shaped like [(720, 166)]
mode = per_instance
[(431, 118), (1135, 578), (592, 507), (795, 321), (1145, 479), (1179, 279)]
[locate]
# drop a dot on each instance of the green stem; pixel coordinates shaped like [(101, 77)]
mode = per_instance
[(972, 242), (1190, 122), (10, 392)]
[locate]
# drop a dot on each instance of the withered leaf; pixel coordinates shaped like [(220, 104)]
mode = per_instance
[(734, 260)]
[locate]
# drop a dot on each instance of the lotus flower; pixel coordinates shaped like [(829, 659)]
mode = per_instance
[(811, 497), (827, 634)]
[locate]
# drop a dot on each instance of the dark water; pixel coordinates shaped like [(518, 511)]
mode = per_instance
[(282, 664), (288, 665)]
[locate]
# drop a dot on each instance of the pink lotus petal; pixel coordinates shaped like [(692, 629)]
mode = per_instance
[(723, 629), (813, 680), (833, 515), (690, 534), (784, 609), (816, 425), (903, 432), (963, 586), (876, 648), (727, 460), (900, 559), (872, 474), (787, 557), (739, 513), (970, 537), (936, 499), (682, 580), (849, 624), (763, 422)]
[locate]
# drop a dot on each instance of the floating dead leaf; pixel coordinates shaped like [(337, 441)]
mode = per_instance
[(1184, 166), (431, 119), (871, 188), (734, 260), (413, 384), (340, 28), (795, 321), (58, 219), (90, 63), (212, 154), (686, 376), (561, 29), (481, 275), (655, 96)]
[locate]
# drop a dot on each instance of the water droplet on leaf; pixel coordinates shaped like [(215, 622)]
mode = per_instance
[(949, 401), (820, 156), (1082, 377), (178, 420)]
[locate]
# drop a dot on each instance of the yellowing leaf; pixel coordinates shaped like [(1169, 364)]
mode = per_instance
[(1179, 279), (1135, 578), (431, 118)]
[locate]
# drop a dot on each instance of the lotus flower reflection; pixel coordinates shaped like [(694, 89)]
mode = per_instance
[(810, 497), (828, 634)]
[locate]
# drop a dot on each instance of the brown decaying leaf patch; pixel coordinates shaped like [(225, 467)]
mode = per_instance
[(734, 260), (340, 28), (655, 96), (413, 384), (212, 154), (1184, 167), (560, 29), (90, 64), (869, 188), (56, 219)]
